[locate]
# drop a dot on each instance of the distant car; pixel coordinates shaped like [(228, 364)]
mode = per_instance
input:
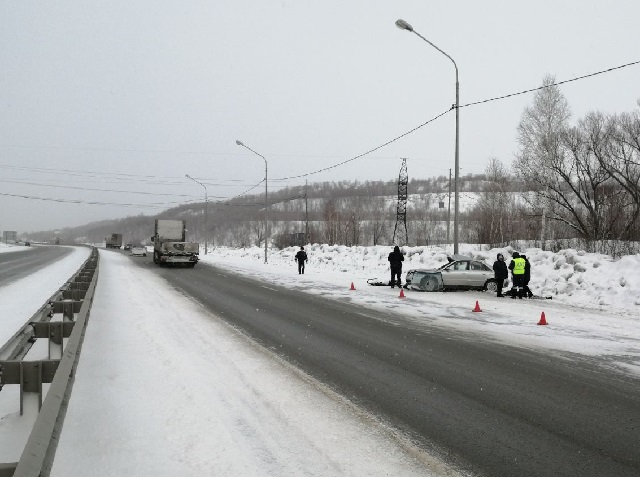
[(139, 250), (127, 246), (461, 273), (27, 244)]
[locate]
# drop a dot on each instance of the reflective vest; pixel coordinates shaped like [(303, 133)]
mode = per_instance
[(518, 266)]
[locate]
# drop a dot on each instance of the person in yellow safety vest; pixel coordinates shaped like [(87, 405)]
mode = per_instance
[(517, 267)]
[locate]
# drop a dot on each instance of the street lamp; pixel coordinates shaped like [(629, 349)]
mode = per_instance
[(206, 209), (405, 26), (266, 205)]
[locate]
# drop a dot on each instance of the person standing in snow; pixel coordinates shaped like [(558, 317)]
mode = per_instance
[(501, 272), (395, 259), (301, 258), (526, 277), (517, 266)]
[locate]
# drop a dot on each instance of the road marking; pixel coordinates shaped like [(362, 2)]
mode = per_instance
[(269, 288)]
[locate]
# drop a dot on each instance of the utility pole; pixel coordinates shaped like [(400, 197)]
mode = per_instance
[(449, 212), (306, 213)]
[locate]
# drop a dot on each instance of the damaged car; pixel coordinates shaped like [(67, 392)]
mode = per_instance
[(460, 273)]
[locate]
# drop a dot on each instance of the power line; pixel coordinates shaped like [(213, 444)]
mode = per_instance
[(113, 149), (369, 151), (245, 192), (150, 179), (94, 174), (85, 202), (166, 194), (608, 70)]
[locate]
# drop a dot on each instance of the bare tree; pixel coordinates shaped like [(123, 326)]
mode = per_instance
[(622, 160), (539, 132), (582, 187), (494, 205), (331, 222), (257, 230), (379, 220)]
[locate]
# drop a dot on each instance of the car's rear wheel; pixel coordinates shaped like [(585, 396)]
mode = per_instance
[(491, 285)]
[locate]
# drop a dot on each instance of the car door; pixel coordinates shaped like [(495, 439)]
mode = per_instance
[(478, 274), (456, 274)]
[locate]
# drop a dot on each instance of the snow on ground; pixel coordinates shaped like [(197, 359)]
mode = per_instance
[(165, 388), (594, 310), (10, 247)]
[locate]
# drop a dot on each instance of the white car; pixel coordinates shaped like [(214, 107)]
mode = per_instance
[(139, 251), (461, 273)]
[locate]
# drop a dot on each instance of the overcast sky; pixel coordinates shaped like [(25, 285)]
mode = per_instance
[(114, 102)]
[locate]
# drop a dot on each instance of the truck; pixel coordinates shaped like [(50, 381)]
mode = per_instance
[(170, 246), (113, 241)]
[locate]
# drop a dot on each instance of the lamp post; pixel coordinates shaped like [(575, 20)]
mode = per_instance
[(405, 26), (266, 205), (206, 209)]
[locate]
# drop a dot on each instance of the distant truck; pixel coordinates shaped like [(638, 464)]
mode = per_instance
[(113, 241), (170, 246)]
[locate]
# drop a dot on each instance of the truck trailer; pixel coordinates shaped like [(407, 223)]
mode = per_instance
[(170, 245), (113, 241)]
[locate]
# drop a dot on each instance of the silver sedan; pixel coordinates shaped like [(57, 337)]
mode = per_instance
[(461, 273)]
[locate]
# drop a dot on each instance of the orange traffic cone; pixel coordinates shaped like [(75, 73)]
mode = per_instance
[(543, 319), (477, 308), (401, 293), (352, 287)]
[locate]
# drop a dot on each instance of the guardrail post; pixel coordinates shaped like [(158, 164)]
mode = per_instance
[(55, 341), (67, 310), (30, 385), (55, 332), (67, 307), (29, 375)]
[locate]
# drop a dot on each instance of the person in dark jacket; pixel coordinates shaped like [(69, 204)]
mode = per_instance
[(501, 272), (526, 291), (301, 258), (395, 259)]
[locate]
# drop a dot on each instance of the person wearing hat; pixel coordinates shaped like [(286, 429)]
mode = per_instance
[(501, 273), (517, 267)]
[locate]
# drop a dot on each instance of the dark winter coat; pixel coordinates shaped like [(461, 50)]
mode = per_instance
[(500, 268), (396, 258), (301, 256), (527, 269)]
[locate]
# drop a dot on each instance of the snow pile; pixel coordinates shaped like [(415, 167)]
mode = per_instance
[(577, 278)]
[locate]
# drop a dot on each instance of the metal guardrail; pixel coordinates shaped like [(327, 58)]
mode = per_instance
[(73, 301)]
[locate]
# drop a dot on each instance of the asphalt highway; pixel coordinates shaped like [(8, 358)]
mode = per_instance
[(487, 408), (16, 265)]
